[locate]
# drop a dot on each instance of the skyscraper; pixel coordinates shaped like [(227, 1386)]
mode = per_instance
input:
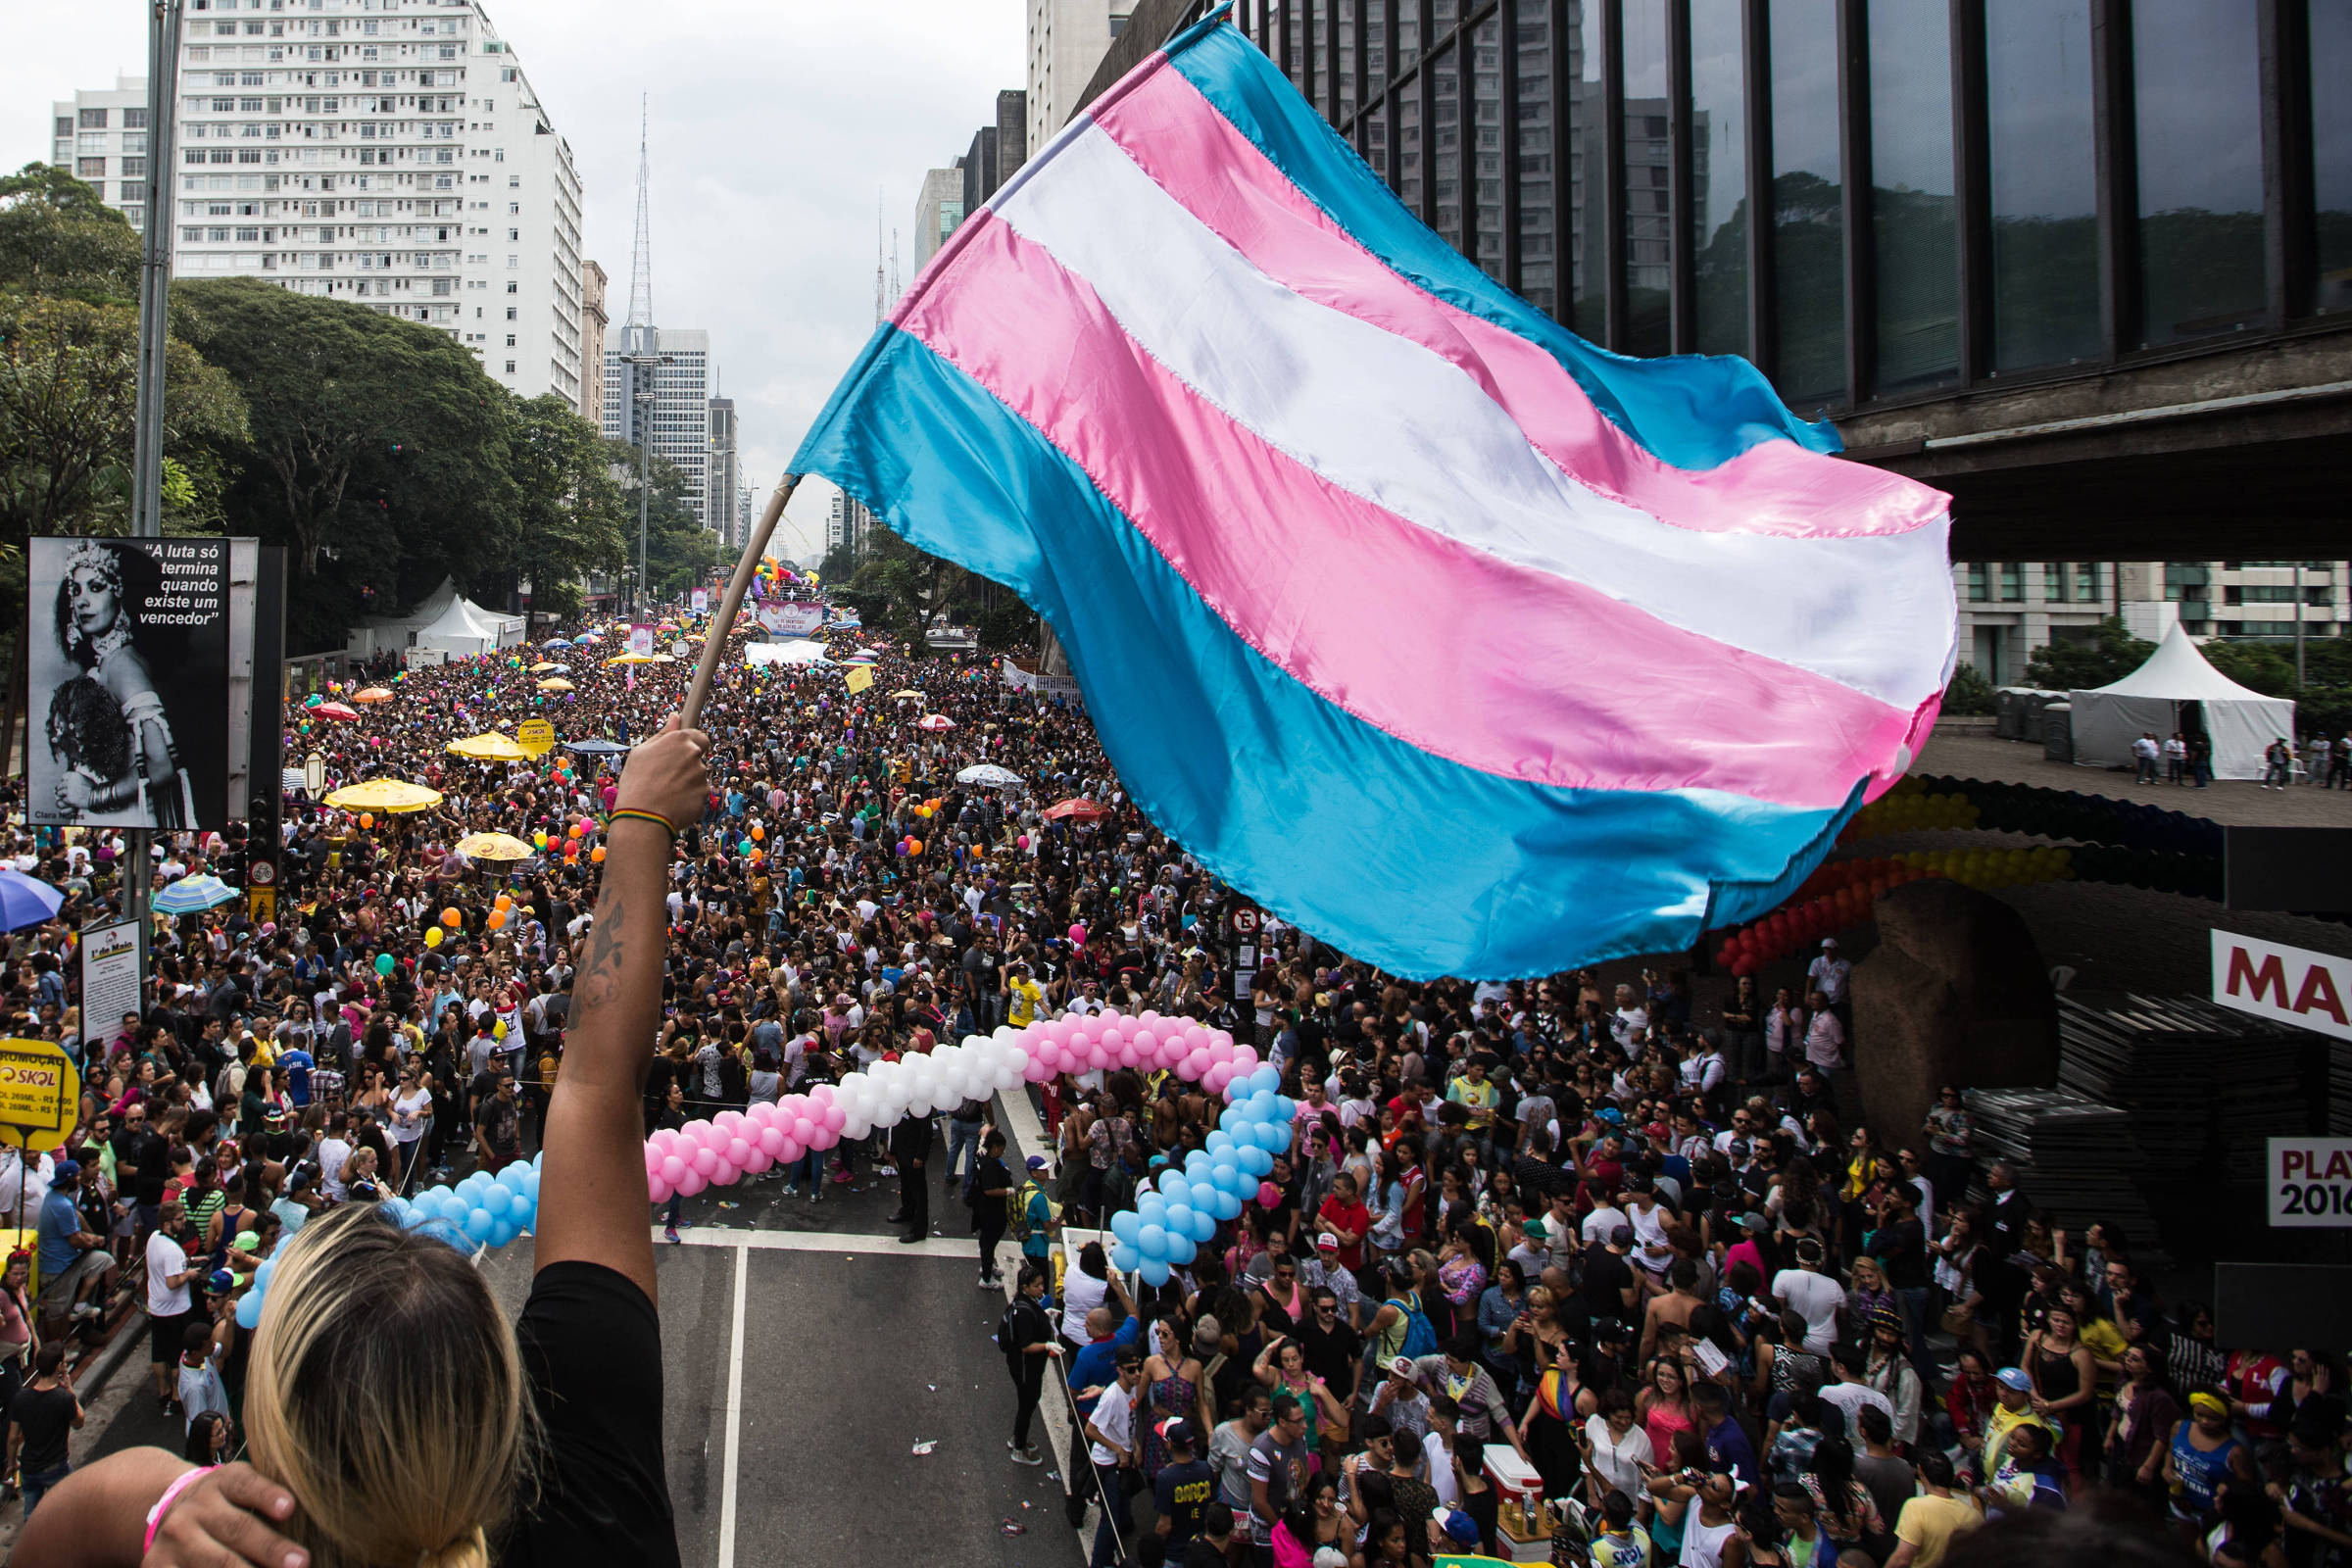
[(401, 162), (725, 474), (680, 408), (1066, 40)]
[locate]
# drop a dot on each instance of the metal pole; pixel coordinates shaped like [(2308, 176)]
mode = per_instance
[(2298, 627), (645, 491), (155, 328)]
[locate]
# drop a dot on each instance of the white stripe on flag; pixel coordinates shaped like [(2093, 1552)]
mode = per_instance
[(1407, 429)]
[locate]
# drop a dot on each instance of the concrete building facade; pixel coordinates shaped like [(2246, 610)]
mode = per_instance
[(725, 471), (595, 320), (392, 153), (936, 212), (1066, 41), (101, 138), (680, 406)]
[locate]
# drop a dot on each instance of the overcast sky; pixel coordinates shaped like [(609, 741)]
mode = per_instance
[(776, 126)]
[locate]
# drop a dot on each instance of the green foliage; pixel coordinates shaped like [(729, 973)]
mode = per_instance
[(2107, 655), (379, 439), (569, 515), (2322, 705), (2265, 667), (1970, 695), (679, 551), (58, 237)]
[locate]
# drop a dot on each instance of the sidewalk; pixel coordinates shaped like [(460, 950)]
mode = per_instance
[(2231, 803)]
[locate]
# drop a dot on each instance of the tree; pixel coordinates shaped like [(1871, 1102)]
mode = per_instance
[(57, 236), (679, 551), (2265, 667), (377, 438), (69, 390), (1970, 695), (568, 515), (2108, 654)]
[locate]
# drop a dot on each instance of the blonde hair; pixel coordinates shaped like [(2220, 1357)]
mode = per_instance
[(385, 1392)]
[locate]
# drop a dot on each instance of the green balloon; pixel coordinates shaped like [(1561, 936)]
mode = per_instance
[(383, 963)]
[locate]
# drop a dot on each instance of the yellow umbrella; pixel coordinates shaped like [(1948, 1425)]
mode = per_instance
[(494, 847), (914, 695), (555, 683), (544, 665), (385, 795), (373, 694), (490, 748), (662, 658), (630, 658)]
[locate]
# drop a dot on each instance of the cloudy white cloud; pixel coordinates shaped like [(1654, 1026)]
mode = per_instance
[(776, 126)]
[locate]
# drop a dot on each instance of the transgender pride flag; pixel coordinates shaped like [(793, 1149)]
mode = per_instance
[(1456, 641)]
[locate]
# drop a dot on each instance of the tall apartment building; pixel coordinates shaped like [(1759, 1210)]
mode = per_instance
[(998, 149), (594, 319), (744, 518), (387, 152), (101, 138), (1066, 41), (936, 212), (726, 472), (847, 525), (681, 406)]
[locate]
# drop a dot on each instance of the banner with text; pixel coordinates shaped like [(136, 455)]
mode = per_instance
[(2285, 985), (791, 617)]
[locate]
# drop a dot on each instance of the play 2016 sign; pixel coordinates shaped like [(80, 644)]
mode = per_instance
[(2285, 985), (2310, 1182)]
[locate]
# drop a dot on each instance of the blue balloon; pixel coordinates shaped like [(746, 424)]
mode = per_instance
[(1197, 1164), (1215, 1141), (1124, 1225), (1227, 1178), (1267, 1079), (1155, 1271), (514, 1177), (1152, 1209), (416, 1218), (261, 1275), (1153, 1241), (249, 1311), (530, 1187), (1180, 1219), (1204, 1218), (479, 1223), (502, 1231), (1181, 1248), (1256, 1161), (1124, 1257), (1173, 1185), (1229, 1206), (498, 1199)]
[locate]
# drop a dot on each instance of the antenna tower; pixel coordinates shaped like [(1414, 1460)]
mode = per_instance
[(882, 300), (638, 332), (897, 289)]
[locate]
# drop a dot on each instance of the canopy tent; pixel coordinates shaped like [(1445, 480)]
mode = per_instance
[(464, 629), (793, 652), (2240, 724)]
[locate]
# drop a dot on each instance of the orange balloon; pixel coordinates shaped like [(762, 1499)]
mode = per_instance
[(759, 834), (506, 901), (367, 820), (597, 855), (576, 830), (451, 916), (497, 919), (914, 846)]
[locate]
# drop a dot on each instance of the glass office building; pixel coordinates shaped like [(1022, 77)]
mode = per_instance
[(1877, 201)]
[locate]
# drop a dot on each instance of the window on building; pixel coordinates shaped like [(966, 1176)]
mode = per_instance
[(2197, 94), (2086, 582), (510, 313), (510, 367), (1649, 226), (1808, 224), (1980, 587), (2045, 267), (65, 126), (2013, 581), (1913, 213), (90, 167), (2054, 581), (93, 119), (1719, 160)]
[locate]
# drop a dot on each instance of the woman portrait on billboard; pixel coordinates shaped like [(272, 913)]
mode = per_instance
[(107, 724)]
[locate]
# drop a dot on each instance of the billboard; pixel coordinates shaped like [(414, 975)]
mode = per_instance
[(700, 601), (641, 641), (2285, 985), (128, 645), (791, 617)]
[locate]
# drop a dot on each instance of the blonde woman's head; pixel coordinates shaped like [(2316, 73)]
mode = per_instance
[(385, 1393)]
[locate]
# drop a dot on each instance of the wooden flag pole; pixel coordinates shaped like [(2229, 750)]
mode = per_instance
[(714, 637)]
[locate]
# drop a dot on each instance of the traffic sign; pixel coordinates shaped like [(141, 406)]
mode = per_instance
[(1244, 922), (2309, 1186), (41, 1093), (535, 736)]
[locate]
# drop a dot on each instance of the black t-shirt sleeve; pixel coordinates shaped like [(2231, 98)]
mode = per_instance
[(592, 1356)]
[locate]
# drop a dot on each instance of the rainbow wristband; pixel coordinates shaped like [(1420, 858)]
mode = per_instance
[(163, 1504), (654, 817)]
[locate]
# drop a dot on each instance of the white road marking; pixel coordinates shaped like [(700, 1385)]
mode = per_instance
[(849, 1242), (726, 1497)]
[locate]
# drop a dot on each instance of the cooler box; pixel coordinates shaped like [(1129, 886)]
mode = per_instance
[(1515, 1480), (1512, 1476)]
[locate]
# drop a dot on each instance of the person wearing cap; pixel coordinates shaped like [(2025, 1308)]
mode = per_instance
[(1185, 1488), (1036, 1207), (1886, 1367), (2013, 1408), (1322, 1270), (1402, 1398), (76, 1270)]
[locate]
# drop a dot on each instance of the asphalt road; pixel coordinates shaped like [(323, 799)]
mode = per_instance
[(806, 1355)]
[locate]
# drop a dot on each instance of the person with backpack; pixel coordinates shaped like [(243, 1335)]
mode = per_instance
[(1025, 1336), (1400, 1329), (1034, 1215), (991, 1196)]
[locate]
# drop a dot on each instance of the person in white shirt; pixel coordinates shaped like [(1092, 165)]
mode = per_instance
[(2176, 759), (1825, 1036), (2146, 752), (1630, 1016), (1616, 1448), (1829, 973), (1813, 1294)]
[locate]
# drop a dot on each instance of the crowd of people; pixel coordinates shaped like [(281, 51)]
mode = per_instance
[(1592, 1243)]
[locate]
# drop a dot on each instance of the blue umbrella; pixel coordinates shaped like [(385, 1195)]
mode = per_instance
[(192, 895), (595, 748), (556, 642), (26, 900)]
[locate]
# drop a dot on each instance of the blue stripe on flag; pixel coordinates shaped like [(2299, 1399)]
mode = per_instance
[(1690, 410), (1403, 859)]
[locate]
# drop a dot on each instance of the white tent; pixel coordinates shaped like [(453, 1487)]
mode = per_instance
[(2240, 724), (463, 628), (792, 653)]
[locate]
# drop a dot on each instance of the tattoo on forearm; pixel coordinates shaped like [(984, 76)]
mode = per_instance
[(599, 977)]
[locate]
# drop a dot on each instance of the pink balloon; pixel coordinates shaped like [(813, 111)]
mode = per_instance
[(836, 1118), (728, 1121), (738, 1151), (652, 1159), (1269, 1194), (760, 1114), (1219, 1055), (1078, 935), (1220, 1037), (1194, 1037), (793, 1150), (771, 1142), (822, 1094), (674, 1170), (657, 1189), (1036, 1071), (761, 1160), (728, 1175), (1150, 1016), (1146, 1040), (705, 1163), (694, 1182)]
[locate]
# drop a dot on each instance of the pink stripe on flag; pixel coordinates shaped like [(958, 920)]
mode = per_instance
[(1776, 487), (1517, 672)]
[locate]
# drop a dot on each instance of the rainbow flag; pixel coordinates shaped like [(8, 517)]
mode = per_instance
[(1464, 645)]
